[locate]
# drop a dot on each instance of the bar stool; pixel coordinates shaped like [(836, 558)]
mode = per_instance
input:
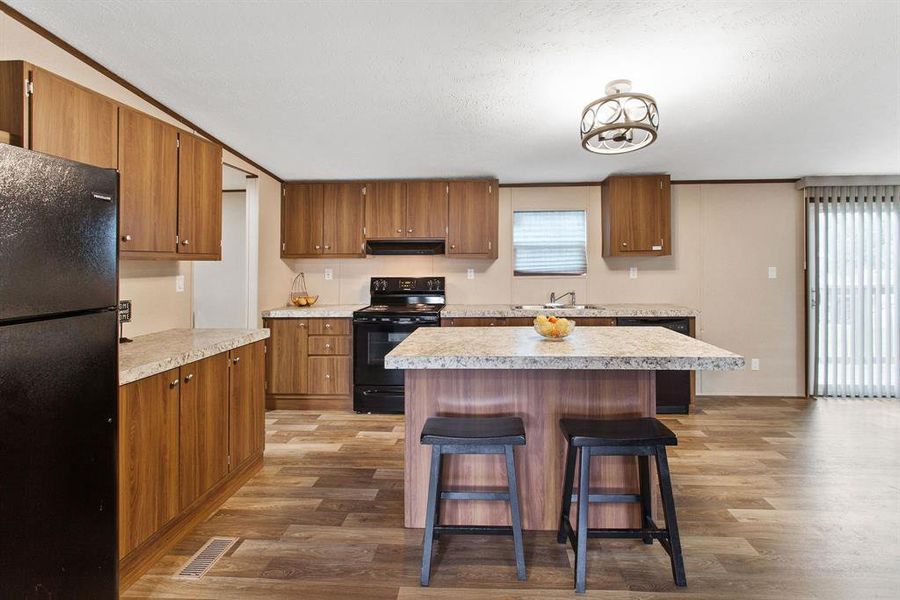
[(642, 438), (468, 435)]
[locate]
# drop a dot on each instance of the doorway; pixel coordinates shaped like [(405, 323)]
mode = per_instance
[(225, 290)]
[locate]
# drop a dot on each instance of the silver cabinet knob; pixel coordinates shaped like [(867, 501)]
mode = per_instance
[(188, 377), (452, 246), (399, 231), (126, 238), (236, 359), (327, 325), (328, 346), (327, 247), (624, 243), (185, 242), (409, 230), (173, 383), (301, 324), (317, 247), (327, 376)]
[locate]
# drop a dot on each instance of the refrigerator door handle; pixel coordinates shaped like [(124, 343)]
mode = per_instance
[(99, 196)]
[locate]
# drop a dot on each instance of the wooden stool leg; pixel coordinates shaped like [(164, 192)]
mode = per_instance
[(668, 500), (430, 510), (566, 504), (514, 512), (646, 500), (584, 483)]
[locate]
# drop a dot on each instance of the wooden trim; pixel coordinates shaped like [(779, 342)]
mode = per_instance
[(139, 560), (307, 402), (54, 39), (674, 182)]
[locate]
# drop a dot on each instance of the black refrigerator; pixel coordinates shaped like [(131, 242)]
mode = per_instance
[(58, 377)]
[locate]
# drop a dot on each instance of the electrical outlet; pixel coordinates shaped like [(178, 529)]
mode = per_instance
[(632, 272), (179, 283), (329, 274), (470, 273), (754, 364), (773, 273)]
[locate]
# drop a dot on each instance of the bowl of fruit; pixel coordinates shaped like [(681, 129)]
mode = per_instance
[(554, 329)]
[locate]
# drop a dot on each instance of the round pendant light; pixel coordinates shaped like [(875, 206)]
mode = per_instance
[(622, 121)]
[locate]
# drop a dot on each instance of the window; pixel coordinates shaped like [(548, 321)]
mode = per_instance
[(550, 242)]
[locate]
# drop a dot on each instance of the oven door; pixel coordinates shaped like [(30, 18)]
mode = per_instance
[(371, 342)]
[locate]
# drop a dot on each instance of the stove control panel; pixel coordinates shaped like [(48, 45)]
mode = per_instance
[(406, 285)]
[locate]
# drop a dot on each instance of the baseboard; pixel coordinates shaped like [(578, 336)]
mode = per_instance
[(288, 402), (138, 561)]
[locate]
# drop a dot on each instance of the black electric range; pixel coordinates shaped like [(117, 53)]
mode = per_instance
[(399, 305)]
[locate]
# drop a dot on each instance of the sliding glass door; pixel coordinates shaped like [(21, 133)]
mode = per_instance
[(853, 279)]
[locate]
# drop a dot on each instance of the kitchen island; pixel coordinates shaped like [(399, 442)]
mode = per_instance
[(598, 372)]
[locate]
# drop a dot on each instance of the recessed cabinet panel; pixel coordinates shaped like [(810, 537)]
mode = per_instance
[(386, 210), (199, 198), (426, 209), (148, 183), (70, 121), (302, 220)]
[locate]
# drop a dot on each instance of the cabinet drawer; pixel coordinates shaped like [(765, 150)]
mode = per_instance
[(329, 327), (595, 321), (329, 345), (329, 375)]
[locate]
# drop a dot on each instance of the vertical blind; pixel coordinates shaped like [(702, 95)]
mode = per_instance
[(853, 267), (550, 242)]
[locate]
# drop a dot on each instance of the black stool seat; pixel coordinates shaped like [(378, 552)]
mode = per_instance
[(480, 431), (617, 432)]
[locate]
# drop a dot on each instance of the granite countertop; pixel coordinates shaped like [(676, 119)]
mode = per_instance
[(597, 310), (154, 353), (333, 311), (640, 348)]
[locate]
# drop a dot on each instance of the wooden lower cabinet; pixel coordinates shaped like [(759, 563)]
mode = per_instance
[(519, 321), (188, 438), (309, 363), (148, 457), (203, 446)]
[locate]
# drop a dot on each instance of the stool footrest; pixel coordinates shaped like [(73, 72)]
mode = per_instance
[(472, 495), (610, 498), (474, 529), (659, 534)]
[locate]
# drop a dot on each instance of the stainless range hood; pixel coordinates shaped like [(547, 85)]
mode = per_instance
[(405, 247)]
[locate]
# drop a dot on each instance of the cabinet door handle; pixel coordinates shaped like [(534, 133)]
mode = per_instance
[(327, 247), (409, 230), (185, 242), (173, 383), (624, 243), (126, 238), (317, 247), (399, 231), (236, 359), (452, 246), (328, 346), (327, 375), (301, 324), (188, 377), (327, 325)]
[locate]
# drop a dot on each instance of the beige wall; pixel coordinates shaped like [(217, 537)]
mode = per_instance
[(149, 284), (724, 239)]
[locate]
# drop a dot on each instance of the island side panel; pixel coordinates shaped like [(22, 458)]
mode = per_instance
[(540, 398)]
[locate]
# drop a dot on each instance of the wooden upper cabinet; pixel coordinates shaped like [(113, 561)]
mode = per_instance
[(148, 457), (636, 213), (473, 214), (148, 184), (426, 209), (203, 431), (247, 404), (199, 198), (386, 210), (302, 220), (344, 219), (73, 122)]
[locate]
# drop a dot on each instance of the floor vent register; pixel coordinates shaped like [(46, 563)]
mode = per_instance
[(206, 557)]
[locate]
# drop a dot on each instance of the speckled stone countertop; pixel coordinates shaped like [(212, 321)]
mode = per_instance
[(154, 353), (332, 311), (640, 348), (597, 310)]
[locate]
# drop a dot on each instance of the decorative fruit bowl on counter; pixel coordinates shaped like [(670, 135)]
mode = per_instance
[(303, 300), (554, 329)]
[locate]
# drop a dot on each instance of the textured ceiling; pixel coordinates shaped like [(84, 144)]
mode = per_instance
[(403, 89)]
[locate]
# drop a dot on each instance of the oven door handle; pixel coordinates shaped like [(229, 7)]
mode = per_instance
[(380, 393)]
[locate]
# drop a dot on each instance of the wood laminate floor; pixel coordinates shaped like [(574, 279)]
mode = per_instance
[(776, 499)]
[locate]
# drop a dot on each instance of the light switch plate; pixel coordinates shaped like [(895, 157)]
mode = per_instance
[(179, 283), (470, 273), (773, 273), (632, 272), (329, 274), (754, 364)]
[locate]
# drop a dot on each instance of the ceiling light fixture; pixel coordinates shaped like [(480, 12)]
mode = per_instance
[(622, 121)]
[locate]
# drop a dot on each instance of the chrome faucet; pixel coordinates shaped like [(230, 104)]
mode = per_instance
[(555, 300)]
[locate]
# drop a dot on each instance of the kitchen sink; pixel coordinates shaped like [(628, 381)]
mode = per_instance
[(553, 306)]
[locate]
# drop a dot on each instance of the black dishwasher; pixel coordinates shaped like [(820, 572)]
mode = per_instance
[(673, 388)]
